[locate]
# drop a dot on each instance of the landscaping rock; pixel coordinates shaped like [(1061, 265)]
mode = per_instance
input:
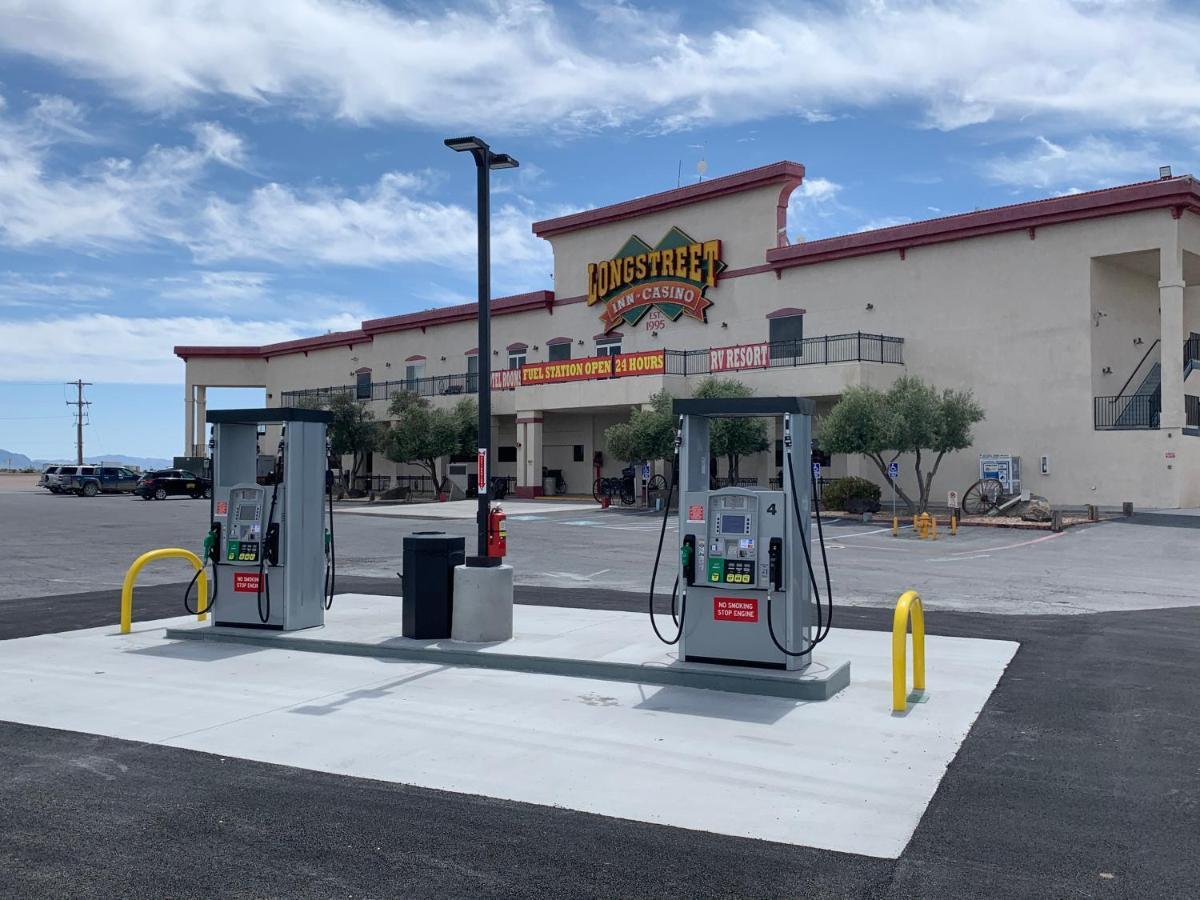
[(1037, 509)]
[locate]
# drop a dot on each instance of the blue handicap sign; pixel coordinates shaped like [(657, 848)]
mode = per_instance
[(893, 469), (817, 469)]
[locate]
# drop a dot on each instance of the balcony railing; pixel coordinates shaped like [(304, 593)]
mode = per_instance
[(815, 351), (1129, 412)]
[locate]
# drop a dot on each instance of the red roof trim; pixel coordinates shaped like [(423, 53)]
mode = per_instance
[(609, 338), (474, 351), (786, 312), (1182, 192), (786, 172), (415, 358), (511, 348), (186, 352), (558, 340)]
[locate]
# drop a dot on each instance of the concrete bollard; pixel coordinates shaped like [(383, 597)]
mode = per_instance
[(483, 604), (1056, 523), (1127, 508), (1093, 513)]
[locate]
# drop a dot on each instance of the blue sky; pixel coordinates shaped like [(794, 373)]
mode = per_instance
[(244, 173)]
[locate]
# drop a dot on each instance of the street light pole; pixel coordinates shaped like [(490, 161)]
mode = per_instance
[(485, 161)]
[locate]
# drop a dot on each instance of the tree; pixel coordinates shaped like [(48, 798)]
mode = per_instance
[(649, 434), (910, 417), (422, 435), (353, 430), (732, 438)]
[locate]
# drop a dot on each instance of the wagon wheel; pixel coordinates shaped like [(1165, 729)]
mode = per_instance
[(982, 497), (598, 490), (657, 484)]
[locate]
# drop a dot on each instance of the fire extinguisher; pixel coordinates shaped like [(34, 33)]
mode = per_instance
[(497, 532)]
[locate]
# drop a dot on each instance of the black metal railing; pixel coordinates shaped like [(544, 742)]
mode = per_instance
[(433, 386), (746, 482), (1129, 412), (815, 351), (1191, 411)]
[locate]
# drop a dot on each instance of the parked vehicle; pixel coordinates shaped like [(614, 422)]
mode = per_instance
[(173, 483), (92, 480), (62, 480), (50, 479)]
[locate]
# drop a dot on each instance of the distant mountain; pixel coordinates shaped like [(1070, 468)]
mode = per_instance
[(118, 459), (12, 460)]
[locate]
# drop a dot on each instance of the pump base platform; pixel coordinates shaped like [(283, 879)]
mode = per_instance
[(547, 640)]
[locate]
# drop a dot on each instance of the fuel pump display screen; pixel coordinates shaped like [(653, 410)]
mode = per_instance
[(733, 524)]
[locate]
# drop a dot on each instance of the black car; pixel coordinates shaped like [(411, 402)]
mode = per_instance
[(173, 482)]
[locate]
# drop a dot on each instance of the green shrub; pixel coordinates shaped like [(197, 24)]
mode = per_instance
[(838, 493)]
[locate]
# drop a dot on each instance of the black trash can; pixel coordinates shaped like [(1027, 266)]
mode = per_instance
[(428, 582)]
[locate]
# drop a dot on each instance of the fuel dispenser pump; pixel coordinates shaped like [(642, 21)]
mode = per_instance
[(272, 556), (745, 565)]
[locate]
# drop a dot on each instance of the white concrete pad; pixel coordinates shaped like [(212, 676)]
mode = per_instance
[(843, 774), (464, 509)]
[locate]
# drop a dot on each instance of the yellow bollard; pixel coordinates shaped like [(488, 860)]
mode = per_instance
[(145, 559), (895, 526), (953, 524), (933, 528), (907, 607)]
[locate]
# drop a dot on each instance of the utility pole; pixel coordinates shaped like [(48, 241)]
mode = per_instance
[(80, 411)]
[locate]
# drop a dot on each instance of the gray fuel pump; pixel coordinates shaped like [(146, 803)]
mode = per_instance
[(746, 570), (271, 552)]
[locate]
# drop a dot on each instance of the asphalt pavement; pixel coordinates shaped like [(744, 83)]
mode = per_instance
[(1078, 780)]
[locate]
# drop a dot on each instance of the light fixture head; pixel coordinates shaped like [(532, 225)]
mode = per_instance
[(502, 161), (462, 144)]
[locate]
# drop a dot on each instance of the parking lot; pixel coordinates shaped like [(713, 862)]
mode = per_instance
[(1077, 778), (67, 544)]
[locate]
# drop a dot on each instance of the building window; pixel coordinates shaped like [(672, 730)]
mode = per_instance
[(362, 385), (558, 349), (473, 373), (787, 329), (413, 373), (506, 454), (786, 333), (516, 355), (577, 452), (608, 344)]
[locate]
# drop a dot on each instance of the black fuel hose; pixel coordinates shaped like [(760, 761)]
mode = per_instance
[(654, 574), (823, 623)]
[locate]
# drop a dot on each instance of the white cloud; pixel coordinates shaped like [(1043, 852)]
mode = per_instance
[(218, 143), (110, 202), (161, 198), (127, 349), (18, 290), (1095, 161), (524, 64), (387, 223)]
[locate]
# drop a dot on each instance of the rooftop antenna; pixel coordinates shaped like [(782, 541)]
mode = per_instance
[(679, 174), (701, 168)]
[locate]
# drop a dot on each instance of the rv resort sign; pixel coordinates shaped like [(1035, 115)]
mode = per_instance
[(671, 277)]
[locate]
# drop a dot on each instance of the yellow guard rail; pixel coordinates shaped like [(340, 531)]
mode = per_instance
[(147, 558), (908, 607)]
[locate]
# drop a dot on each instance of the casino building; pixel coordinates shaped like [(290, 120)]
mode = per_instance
[(1075, 320)]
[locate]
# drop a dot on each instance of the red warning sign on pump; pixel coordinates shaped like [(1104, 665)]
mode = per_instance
[(245, 582), (735, 609), (696, 513)]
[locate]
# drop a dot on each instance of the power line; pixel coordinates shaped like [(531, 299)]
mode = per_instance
[(81, 406)]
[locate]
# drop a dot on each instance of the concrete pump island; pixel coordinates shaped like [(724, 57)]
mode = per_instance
[(468, 692)]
